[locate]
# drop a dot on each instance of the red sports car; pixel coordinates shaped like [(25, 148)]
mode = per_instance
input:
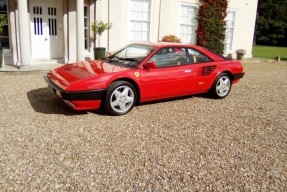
[(142, 72)]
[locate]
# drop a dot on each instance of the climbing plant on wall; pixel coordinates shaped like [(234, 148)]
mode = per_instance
[(211, 24)]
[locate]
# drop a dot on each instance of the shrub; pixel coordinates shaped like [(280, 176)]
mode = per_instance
[(171, 38), (211, 24), (3, 22)]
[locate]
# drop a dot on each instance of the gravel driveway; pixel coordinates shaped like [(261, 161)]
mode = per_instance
[(191, 144)]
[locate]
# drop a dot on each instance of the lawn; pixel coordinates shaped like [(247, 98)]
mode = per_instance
[(269, 52)]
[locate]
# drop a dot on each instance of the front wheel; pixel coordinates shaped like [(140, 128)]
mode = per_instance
[(120, 98), (221, 86)]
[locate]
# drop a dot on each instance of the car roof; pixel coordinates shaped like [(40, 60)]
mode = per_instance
[(161, 44), (167, 44)]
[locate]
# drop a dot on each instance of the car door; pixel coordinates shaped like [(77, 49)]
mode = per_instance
[(203, 70), (171, 78)]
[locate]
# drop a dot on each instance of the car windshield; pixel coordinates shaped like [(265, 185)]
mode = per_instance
[(130, 55)]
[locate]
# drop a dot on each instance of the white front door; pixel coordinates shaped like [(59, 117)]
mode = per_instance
[(46, 29)]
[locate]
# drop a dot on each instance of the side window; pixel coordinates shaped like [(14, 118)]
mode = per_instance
[(195, 56), (167, 57)]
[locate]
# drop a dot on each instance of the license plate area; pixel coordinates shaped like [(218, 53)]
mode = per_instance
[(58, 93)]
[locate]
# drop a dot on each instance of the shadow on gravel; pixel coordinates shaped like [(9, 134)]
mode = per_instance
[(203, 95), (44, 101)]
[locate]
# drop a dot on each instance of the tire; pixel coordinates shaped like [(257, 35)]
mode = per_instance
[(120, 98), (222, 86)]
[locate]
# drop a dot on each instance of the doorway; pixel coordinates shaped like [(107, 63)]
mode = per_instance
[(46, 29)]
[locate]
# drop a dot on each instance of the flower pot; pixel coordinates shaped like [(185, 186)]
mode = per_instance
[(239, 57), (99, 52)]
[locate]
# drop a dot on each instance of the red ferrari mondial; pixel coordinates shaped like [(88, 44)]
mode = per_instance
[(142, 72)]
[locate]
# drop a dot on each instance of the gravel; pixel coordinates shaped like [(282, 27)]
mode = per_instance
[(190, 144)]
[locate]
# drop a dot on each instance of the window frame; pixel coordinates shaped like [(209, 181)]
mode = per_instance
[(228, 46), (131, 37), (194, 27)]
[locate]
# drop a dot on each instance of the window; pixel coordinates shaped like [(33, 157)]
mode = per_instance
[(86, 26), (38, 20), (139, 20), (167, 57), (188, 22), (4, 36), (230, 23), (173, 56), (195, 56), (52, 12)]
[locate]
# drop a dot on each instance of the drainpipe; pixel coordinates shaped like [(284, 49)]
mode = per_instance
[(95, 18), (108, 46), (16, 34), (68, 33), (159, 20)]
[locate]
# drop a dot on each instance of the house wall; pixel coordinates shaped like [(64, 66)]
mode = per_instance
[(161, 24), (167, 22), (72, 31), (170, 16), (165, 18), (244, 24), (14, 36), (118, 16)]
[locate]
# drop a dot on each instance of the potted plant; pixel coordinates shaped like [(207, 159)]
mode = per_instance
[(3, 22), (98, 27), (240, 53), (278, 58)]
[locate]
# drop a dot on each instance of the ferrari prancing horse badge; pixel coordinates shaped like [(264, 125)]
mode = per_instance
[(137, 74)]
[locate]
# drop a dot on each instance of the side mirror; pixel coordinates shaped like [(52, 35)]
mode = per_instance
[(150, 65)]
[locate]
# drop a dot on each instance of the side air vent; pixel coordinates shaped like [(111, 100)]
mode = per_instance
[(207, 70)]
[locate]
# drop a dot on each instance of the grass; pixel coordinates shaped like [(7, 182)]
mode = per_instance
[(269, 52)]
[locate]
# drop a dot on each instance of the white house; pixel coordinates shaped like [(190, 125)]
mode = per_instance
[(41, 30)]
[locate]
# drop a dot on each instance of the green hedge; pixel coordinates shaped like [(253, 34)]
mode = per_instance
[(211, 24)]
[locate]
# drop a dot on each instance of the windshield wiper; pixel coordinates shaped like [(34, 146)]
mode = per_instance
[(127, 61), (112, 58), (130, 59)]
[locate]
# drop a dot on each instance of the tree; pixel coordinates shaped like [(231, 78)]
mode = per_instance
[(271, 24), (98, 27), (211, 24)]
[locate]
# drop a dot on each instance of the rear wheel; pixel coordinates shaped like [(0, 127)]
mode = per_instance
[(221, 86), (120, 98)]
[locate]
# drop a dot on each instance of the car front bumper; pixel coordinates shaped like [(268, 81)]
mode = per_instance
[(78, 100)]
